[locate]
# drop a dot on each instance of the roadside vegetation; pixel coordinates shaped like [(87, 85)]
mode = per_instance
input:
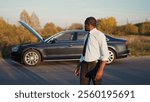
[(138, 35), (139, 45)]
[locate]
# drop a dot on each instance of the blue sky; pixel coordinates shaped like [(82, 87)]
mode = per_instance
[(65, 12)]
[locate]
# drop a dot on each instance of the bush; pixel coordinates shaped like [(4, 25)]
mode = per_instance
[(138, 45), (127, 29), (107, 25), (144, 28)]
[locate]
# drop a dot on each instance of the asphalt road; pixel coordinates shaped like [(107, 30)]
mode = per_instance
[(128, 71)]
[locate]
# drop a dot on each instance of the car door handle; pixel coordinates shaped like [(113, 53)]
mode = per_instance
[(69, 45)]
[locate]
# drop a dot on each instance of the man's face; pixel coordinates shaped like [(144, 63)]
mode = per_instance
[(87, 27)]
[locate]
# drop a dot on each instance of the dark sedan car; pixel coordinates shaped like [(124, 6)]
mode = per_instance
[(63, 46)]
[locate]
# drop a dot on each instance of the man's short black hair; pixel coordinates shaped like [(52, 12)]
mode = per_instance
[(90, 21)]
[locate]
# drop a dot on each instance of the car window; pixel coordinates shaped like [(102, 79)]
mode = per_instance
[(78, 35), (81, 35), (65, 37), (72, 36)]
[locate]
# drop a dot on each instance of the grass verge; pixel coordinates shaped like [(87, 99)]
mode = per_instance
[(138, 45)]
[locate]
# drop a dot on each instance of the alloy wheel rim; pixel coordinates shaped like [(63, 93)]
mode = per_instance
[(31, 58), (111, 57)]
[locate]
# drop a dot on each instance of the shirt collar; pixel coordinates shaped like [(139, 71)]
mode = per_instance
[(93, 30)]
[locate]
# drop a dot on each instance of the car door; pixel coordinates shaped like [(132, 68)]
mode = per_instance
[(66, 46), (77, 46), (72, 46)]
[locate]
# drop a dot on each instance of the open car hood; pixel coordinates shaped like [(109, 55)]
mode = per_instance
[(35, 33)]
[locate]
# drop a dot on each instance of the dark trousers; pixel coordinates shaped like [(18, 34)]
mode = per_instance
[(88, 73)]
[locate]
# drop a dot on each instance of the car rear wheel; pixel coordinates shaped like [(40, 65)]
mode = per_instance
[(112, 56), (31, 57)]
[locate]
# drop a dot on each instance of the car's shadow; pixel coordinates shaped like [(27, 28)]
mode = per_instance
[(58, 62)]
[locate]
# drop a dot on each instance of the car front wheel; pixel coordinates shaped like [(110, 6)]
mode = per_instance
[(112, 56), (31, 57)]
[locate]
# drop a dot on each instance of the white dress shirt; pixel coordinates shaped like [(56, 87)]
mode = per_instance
[(96, 48)]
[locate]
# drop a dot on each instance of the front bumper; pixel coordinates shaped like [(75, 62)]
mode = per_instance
[(15, 56)]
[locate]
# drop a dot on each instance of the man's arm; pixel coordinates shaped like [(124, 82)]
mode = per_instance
[(99, 73), (104, 57), (77, 68)]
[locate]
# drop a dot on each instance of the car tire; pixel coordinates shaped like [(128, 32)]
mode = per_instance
[(31, 57), (112, 56)]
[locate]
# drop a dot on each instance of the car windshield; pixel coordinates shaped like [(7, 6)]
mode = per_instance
[(47, 40)]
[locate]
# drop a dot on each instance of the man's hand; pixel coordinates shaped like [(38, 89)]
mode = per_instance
[(76, 71), (99, 73)]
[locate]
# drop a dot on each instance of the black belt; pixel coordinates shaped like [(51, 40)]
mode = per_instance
[(92, 61)]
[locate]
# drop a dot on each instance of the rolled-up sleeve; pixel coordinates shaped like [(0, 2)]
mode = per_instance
[(104, 49), (81, 58)]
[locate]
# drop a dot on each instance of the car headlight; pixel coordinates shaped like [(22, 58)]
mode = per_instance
[(15, 49)]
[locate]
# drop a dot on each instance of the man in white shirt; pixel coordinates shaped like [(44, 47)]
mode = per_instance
[(94, 56)]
